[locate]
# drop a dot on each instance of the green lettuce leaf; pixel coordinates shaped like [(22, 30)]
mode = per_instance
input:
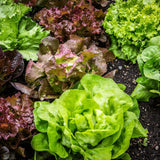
[(93, 122), (19, 32), (10, 16), (29, 37), (149, 64)]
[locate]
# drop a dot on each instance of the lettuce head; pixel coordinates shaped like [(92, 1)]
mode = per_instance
[(95, 121)]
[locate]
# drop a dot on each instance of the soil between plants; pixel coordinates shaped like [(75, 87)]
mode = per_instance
[(149, 113)]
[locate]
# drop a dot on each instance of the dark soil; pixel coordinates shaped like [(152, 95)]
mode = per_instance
[(149, 115)]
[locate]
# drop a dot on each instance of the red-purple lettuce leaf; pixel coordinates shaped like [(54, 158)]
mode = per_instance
[(59, 67), (42, 3), (16, 117), (11, 66), (81, 19)]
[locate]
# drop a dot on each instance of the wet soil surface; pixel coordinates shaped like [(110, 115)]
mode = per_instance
[(149, 113)]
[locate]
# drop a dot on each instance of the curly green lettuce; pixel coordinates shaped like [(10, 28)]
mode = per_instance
[(19, 32), (95, 121), (131, 24), (149, 65)]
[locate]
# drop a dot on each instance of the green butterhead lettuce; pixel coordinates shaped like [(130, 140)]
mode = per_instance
[(149, 64), (93, 122), (131, 24), (19, 32)]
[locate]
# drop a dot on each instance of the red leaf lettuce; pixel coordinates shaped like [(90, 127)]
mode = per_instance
[(59, 67), (16, 117), (11, 66), (81, 19)]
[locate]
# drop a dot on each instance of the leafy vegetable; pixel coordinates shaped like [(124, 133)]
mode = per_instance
[(80, 19), (149, 64), (16, 120), (11, 66), (131, 24), (59, 67), (42, 3), (15, 116), (95, 121), (19, 32), (61, 3)]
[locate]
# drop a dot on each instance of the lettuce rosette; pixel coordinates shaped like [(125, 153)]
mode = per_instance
[(131, 24), (94, 121), (61, 66), (149, 65)]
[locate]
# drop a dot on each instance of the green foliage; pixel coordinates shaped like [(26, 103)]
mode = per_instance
[(131, 24), (19, 32), (93, 122), (149, 64)]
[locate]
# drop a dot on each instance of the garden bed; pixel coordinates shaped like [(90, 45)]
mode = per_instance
[(70, 52)]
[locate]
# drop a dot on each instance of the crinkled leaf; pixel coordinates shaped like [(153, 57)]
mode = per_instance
[(73, 18), (42, 3), (11, 66), (151, 57), (94, 121), (10, 17), (19, 32), (29, 37), (132, 24), (63, 65), (16, 117), (142, 93)]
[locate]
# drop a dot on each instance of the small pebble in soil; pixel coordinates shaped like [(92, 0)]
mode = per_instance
[(157, 148), (120, 67), (134, 81)]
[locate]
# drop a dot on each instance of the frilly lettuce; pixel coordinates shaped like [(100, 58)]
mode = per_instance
[(60, 66), (16, 122), (149, 64), (93, 122), (75, 17), (19, 32), (131, 24), (42, 3)]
